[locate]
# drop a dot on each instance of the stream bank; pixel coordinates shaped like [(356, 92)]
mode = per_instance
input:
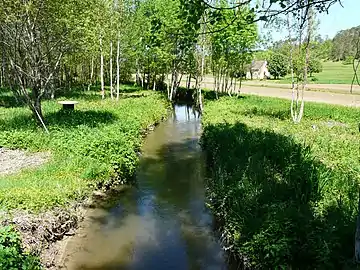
[(95, 147), (161, 222)]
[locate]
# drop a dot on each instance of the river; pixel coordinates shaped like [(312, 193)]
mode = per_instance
[(162, 223)]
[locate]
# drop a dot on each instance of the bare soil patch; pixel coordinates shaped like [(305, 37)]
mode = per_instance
[(13, 161)]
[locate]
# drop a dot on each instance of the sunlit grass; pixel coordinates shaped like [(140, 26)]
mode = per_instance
[(85, 145), (332, 73)]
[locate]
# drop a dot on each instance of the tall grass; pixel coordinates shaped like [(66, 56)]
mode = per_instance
[(285, 195)]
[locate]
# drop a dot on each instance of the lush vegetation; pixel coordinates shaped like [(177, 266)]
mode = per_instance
[(345, 44), (12, 255), (285, 194), (91, 147)]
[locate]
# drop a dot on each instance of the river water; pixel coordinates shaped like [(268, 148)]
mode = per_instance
[(162, 223)]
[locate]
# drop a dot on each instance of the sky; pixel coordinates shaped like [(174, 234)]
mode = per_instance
[(338, 18)]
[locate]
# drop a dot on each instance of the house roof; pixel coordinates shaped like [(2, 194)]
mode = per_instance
[(256, 65)]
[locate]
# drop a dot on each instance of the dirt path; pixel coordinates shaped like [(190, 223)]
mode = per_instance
[(336, 88), (314, 96), (337, 97), (322, 97)]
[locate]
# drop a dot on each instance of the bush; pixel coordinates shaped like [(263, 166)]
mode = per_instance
[(278, 65), (12, 256), (315, 66)]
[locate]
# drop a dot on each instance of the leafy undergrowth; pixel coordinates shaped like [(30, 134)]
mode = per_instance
[(90, 147), (12, 255), (285, 195)]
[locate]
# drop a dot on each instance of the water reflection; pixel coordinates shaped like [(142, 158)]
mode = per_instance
[(161, 224)]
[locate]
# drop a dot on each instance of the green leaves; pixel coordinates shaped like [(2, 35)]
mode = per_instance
[(12, 255), (278, 65)]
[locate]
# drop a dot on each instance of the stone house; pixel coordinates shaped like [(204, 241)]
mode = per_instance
[(258, 70)]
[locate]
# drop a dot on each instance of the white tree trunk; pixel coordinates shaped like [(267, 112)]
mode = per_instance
[(102, 70), (111, 71), (91, 73), (118, 70)]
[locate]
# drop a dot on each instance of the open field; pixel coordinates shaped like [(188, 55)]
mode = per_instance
[(285, 194), (333, 73), (89, 147)]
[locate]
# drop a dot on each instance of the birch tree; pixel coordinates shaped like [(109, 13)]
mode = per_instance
[(35, 35)]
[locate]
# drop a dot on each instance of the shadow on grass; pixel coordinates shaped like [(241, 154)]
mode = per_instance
[(265, 189), (8, 100), (278, 114), (61, 119), (64, 118), (94, 92)]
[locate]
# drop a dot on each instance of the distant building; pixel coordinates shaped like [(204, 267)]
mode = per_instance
[(258, 70)]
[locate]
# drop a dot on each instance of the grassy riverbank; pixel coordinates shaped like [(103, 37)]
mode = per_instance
[(93, 147), (89, 146), (285, 195)]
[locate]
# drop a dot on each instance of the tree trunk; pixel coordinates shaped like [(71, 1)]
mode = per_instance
[(111, 71), (91, 73), (102, 70), (118, 70)]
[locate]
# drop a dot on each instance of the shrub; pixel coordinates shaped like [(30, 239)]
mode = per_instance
[(12, 256), (278, 65)]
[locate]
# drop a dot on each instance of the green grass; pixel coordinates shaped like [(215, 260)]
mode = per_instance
[(333, 73), (285, 194), (90, 147)]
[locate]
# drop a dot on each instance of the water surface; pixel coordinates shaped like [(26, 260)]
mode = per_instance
[(162, 223)]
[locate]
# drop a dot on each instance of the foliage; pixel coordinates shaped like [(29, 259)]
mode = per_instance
[(348, 60), (315, 66), (231, 45), (12, 255), (345, 43), (93, 146), (278, 65), (285, 195)]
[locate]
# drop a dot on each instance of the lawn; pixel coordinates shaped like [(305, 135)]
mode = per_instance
[(333, 73), (91, 147), (285, 194)]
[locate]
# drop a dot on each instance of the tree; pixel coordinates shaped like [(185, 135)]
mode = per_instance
[(278, 65), (315, 66), (231, 48), (344, 44), (36, 35)]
